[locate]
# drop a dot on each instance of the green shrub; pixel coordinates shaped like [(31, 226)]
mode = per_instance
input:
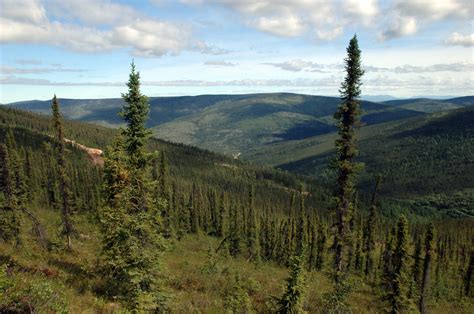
[(32, 294), (237, 299)]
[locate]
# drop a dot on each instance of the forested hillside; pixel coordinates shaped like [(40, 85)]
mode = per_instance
[(228, 123), (426, 162), (432, 105)]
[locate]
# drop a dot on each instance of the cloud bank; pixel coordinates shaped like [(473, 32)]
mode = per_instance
[(95, 26)]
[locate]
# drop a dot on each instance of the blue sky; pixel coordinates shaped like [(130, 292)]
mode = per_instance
[(82, 49)]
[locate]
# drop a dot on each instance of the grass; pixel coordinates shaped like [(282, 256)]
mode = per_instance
[(193, 286)]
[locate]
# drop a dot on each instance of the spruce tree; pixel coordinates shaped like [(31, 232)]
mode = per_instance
[(63, 179), (130, 219), (426, 267), (387, 263), (9, 224), (222, 218), (312, 249), (193, 211), (321, 247), (300, 227), (163, 176), (369, 234), (292, 299), (396, 291), (253, 246), (416, 269), (234, 233), (468, 276), (347, 118)]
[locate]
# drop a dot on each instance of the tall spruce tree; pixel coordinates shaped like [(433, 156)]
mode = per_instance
[(369, 232), (253, 245), (63, 179), (347, 117), (234, 232), (416, 269), (9, 224), (397, 285), (426, 267), (300, 236), (321, 246), (130, 219)]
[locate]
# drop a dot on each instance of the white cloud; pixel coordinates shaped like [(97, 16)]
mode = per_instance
[(443, 67), (299, 65), (29, 21), (435, 9), (4, 69), (149, 38), (328, 19), (285, 26), (318, 19), (202, 47), (28, 61), (93, 12), (220, 63), (423, 85), (365, 10), (407, 17), (24, 10), (400, 26), (457, 39)]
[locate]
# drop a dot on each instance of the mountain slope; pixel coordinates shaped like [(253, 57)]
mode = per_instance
[(228, 123), (432, 105), (428, 160), (187, 165)]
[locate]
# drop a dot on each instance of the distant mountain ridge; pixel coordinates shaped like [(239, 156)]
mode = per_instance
[(234, 124)]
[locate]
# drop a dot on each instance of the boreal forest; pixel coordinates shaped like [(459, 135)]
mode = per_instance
[(264, 203)]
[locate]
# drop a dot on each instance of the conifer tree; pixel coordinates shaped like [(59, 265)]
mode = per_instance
[(387, 262), (63, 179), (292, 299), (358, 251), (397, 282), (369, 234), (222, 218), (130, 220), (312, 249), (321, 247), (163, 176), (214, 211), (300, 227), (193, 211), (347, 118), (253, 246), (9, 225), (468, 277), (426, 267), (234, 233), (416, 269), (17, 170)]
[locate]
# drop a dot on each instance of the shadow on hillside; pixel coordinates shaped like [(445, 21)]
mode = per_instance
[(78, 277)]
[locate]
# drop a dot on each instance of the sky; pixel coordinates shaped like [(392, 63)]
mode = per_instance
[(83, 48)]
